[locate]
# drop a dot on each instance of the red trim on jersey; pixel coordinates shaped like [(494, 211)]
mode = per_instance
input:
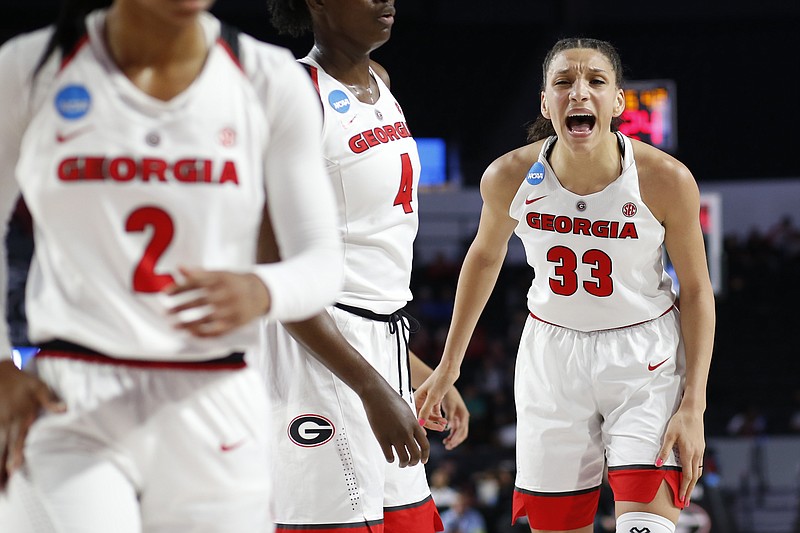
[(368, 527), (670, 308), (227, 363), (420, 517), (225, 46), (556, 511), (69, 57), (314, 73), (640, 484)]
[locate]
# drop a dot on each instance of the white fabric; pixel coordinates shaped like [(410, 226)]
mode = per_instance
[(191, 174), (148, 451), (378, 232), (585, 252), (587, 398), (644, 523), (345, 480)]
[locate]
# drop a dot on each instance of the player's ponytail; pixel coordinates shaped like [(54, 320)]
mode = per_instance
[(69, 27)]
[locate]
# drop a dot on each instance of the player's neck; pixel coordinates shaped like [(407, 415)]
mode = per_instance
[(349, 67), (135, 40), (586, 172)]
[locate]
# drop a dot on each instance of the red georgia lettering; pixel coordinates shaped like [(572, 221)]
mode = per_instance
[(603, 229), (361, 142), (125, 169)]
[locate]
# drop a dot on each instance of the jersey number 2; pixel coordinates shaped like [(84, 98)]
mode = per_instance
[(145, 278), (406, 184), (566, 269)]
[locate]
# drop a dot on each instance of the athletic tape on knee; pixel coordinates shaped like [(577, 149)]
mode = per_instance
[(644, 523)]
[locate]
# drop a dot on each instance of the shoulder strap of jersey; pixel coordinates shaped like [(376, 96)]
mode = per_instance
[(313, 73), (230, 36)]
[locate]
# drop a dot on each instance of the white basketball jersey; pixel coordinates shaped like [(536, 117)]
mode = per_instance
[(374, 166), (125, 188), (597, 258)]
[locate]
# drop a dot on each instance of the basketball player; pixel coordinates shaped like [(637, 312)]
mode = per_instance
[(147, 141), (607, 368), (346, 374)]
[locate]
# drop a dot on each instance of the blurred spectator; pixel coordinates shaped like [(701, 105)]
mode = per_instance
[(444, 495), (748, 422), (463, 517)]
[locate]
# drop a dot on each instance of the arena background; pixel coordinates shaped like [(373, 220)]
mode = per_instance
[(469, 72)]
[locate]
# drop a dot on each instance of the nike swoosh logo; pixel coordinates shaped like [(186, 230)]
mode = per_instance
[(529, 202), (229, 447), (66, 137), (652, 367)]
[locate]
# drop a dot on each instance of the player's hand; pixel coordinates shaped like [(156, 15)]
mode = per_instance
[(430, 395), (685, 434), (457, 419), (22, 397), (216, 302), (397, 429)]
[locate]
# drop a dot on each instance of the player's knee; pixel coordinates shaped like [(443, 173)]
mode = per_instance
[(638, 522)]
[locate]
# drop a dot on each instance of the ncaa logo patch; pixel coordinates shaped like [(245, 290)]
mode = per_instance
[(309, 430), (535, 174), (73, 102), (339, 101)]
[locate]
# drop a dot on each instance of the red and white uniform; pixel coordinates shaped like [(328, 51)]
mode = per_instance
[(601, 361), (124, 189), (332, 471), (600, 253)]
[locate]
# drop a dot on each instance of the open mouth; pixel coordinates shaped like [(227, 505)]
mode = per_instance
[(581, 123)]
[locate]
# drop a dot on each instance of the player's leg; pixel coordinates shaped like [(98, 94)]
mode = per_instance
[(205, 453), (328, 467), (559, 446), (657, 516), (75, 480), (650, 358)]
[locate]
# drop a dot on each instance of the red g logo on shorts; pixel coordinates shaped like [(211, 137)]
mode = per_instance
[(309, 430)]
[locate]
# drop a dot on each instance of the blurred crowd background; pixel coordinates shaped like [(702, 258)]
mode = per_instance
[(469, 72)]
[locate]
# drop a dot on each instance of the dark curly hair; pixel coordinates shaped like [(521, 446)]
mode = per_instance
[(290, 17), (541, 128)]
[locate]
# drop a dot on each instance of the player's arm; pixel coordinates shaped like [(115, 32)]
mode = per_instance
[(675, 199), (22, 396), (478, 276), (456, 414), (392, 421), (301, 203)]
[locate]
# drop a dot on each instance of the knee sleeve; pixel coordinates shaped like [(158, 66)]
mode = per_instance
[(644, 523)]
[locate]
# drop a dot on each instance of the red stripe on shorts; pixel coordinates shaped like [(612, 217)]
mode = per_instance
[(420, 517), (556, 511), (641, 483)]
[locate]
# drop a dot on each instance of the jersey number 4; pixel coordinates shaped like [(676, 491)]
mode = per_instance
[(566, 283), (145, 278), (406, 184)]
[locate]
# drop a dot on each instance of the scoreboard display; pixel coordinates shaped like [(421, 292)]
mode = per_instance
[(650, 113)]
